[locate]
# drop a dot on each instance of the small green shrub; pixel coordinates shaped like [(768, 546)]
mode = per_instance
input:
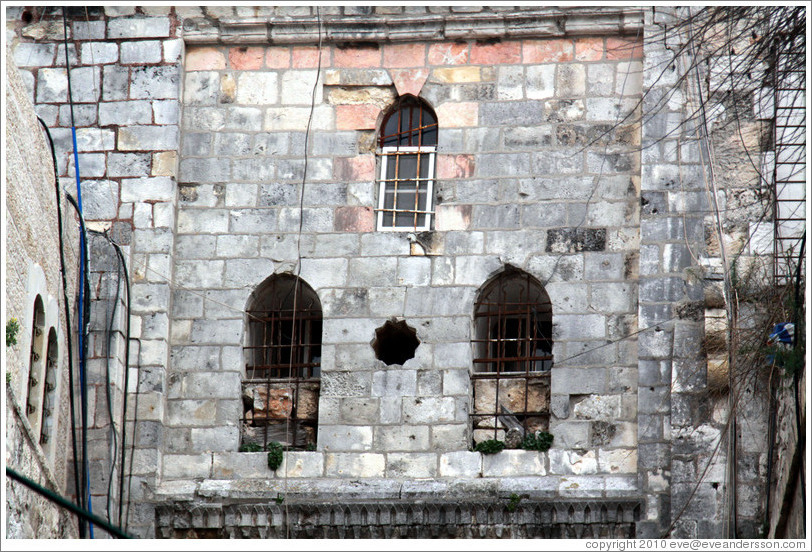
[(12, 328), (541, 441), (491, 446), (513, 502), (250, 447), (274, 455)]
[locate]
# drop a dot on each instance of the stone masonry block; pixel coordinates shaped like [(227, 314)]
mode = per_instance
[(514, 463), (462, 464), (402, 438), (354, 465), (155, 82), (142, 52), (411, 465), (147, 27), (345, 438), (186, 466), (300, 464), (430, 410), (217, 439), (240, 465), (394, 383)]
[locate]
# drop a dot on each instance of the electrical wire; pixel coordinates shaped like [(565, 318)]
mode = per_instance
[(83, 314), (108, 383), (69, 339), (83, 352), (126, 380)]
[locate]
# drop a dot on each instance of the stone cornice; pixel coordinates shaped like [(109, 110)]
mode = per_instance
[(538, 23)]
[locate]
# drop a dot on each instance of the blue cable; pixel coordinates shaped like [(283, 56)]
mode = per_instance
[(82, 261)]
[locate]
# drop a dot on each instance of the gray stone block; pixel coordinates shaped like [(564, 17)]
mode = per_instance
[(394, 383), (213, 169), (520, 113), (165, 137), (166, 112), (160, 82), (141, 52), (146, 27), (402, 438), (604, 266), (98, 53), (503, 165), (128, 164), (125, 113), (345, 438), (115, 82)]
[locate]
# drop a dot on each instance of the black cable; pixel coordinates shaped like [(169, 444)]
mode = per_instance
[(132, 447), (108, 339), (69, 340), (796, 376), (83, 352), (62, 501), (126, 384)]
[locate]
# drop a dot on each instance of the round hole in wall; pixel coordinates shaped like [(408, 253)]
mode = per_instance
[(395, 342)]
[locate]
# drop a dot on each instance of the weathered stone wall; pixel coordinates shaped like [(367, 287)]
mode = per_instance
[(538, 166), (526, 131), (32, 269), (125, 78)]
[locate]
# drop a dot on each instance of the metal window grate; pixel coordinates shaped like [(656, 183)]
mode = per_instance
[(283, 361), (408, 144), (513, 355)]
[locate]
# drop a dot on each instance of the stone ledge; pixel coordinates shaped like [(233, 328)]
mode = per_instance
[(538, 23), (396, 518)]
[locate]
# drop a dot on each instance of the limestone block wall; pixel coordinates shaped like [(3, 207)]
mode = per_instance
[(125, 79), (32, 270), (531, 172)]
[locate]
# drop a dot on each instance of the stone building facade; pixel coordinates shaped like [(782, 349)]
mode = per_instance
[(240, 156)]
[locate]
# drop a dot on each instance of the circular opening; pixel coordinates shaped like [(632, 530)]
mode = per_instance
[(395, 342)]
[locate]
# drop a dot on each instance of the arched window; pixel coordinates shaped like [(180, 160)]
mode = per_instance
[(512, 356), (408, 143), (283, 364), (36, 370), (514, 325), (49, 390)]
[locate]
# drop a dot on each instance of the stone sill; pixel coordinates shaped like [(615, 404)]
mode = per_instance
[(538, 23), (449, 489), (411, 465)]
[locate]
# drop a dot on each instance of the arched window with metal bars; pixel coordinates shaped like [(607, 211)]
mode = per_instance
[(407, 149), (283, 364), (513, 344)]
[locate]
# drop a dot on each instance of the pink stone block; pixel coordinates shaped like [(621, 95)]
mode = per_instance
[(404, 55), (451, 53), (354, 169), (457, 114), (409, 81), (368, 56), (356, 117), (547, 51), (242, 57), (588, 49), (307, 57), (277, 57), (455, 166), (499, 52), (624, 48), (205, 59), (452, 217), (354, 219)]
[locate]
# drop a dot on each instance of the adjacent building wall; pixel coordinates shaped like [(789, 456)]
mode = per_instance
[(33, 270)]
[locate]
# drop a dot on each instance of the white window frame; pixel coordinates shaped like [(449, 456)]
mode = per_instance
[(386, 153)]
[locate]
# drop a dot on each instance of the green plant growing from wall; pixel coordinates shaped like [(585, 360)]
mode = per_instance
[(491, 446), (250, 447), (514, 500), (541, 441), (12, 329), (275, 456)]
